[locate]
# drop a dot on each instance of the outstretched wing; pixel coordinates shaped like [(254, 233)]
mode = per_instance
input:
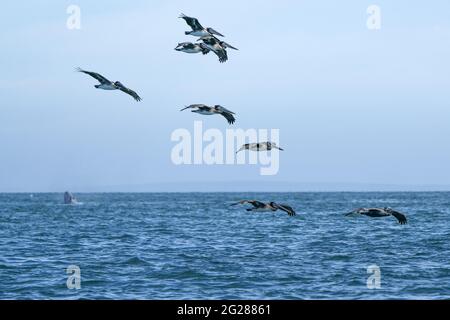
[(400, 216), (222, 54), (96, 76), (192, 22), (230, 118), (212, 31), (223, 109), (210, 40), (193, 106), (227, 45), (122, 88), (205, 49), (254, 203), (286, 208)]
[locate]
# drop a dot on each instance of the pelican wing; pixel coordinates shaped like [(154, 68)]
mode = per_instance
[(354, 212), (194, 106), (222, 54), (212, 31), (227, 45), (205, 49), (122, 88), (399, 216), (230, 118), (192, 22), (254, 203), (187, 107), (286, 208), (223, 109), (96, 76), (210, 40)]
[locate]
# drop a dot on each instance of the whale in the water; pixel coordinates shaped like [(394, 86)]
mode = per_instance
[(69, 198)]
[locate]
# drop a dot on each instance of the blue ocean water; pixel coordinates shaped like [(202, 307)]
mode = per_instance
[(195, 246)]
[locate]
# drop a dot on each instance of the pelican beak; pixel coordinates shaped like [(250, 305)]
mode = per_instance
[(281, 149), (184, 108)]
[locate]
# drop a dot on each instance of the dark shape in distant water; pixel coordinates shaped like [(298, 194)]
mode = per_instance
[(189, 47), (69, 198), (217, 109), (105, 84), (267, 207), (197, 28), (261, 146), (379, 212)]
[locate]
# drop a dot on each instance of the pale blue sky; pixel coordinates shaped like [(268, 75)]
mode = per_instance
[(353, 106)]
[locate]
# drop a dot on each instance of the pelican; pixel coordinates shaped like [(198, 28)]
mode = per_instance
[(217, 109), (197, 28), (379, 212), (105, 84), (262, 146), (190, 47), (217, 46), (267, 207)]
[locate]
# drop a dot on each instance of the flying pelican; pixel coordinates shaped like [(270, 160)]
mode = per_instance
[(267, 207), (217, 109), (217, 46), (262, 146), (190, 47), (379, 212), (197, 28), (105, 84)]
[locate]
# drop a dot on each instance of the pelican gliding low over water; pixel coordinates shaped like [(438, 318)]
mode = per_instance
[(266, 207), (379, 212)]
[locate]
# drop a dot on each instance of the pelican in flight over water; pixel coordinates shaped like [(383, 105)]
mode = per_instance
[(189, 47), (379, 212), (217, 109), (217, 46), (105, 84), (267, 207), (197, 28), (262, 146)]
